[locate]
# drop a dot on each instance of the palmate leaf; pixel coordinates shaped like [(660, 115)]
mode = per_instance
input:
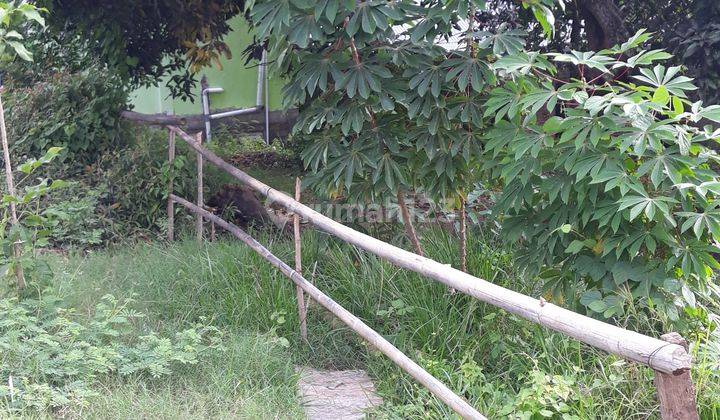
[(615, 177), (369, 16), (354, 160), (644, 58), (584, 130), (590, 59), (664, 164), (428, 78), (639, 38), (271, 16), (423, 105), (303, 29), (708, 220), (645, 132), (530, 141), (467, 108), (660, 76), (546, 94), (506, 42), (316, 72), (362, 79), (316, 154), (591, 163), (523, 62), (693, 257), (351, 118), (651, 206), (469, 71), (388, 171), (328, 8), (504, 101), (406, 53)]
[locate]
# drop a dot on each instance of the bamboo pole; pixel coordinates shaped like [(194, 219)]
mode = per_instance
[(302, 310), (409, 226), (200, 192), (438, 389), (657, 354), (10, 184), (170, 202)]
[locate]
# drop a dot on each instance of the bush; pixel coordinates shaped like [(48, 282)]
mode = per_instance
[(136, 179), (609, 182), (77, 217), (53, 358), (78, 111)]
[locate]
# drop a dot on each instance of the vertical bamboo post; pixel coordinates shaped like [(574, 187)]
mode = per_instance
[(17, 248), (302, 309), (212, 231), (676, 393), (170, 202), (409, 227), (200, 198), (463, 236)]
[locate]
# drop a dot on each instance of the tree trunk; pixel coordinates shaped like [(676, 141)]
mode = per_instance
[(17, 249), (409, 227), (604, 24)]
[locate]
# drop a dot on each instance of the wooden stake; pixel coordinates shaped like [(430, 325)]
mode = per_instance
[(170, 202), (437, 388), (660, 355), (200, 198), (10, 183), (676, 393), (302, 311), (407, 221)]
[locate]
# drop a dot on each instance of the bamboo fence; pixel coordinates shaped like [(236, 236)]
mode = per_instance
[(668, 357)]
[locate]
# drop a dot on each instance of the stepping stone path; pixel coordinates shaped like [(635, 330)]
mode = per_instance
[(329, 395)]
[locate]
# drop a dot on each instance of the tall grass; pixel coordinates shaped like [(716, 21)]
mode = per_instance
[(501, 363)]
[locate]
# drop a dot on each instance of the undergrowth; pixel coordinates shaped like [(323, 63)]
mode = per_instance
[(503, 365)]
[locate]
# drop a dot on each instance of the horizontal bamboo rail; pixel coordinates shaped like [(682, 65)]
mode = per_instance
[(657, 354), (438, 389)]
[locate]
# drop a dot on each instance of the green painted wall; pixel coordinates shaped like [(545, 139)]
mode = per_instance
[(238, 80)]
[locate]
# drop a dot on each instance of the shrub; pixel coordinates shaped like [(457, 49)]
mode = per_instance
[(609, 182), (76, 217), (136, 179), (51, 358), (78, 111)]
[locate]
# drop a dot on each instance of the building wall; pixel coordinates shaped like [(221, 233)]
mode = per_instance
[(238, 80)]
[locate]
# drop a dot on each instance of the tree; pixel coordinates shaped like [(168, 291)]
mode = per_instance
[(605, 176), (687, 28), (389, 111), (147, 41)]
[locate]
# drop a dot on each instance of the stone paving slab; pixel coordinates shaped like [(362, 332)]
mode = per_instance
[(330, 395)]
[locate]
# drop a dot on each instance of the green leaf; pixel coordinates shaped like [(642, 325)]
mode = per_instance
[(597, 306), (661, 95), (575, 247), (20, 50)]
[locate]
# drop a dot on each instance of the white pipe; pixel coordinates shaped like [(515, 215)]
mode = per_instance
[(260, 78), (267, 100), (235, 112), (206, 109)]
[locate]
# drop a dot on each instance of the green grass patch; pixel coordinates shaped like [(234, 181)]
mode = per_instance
[(503, 365)]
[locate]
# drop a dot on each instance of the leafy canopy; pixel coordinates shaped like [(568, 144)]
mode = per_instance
[(606, 181), (606, 184)]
